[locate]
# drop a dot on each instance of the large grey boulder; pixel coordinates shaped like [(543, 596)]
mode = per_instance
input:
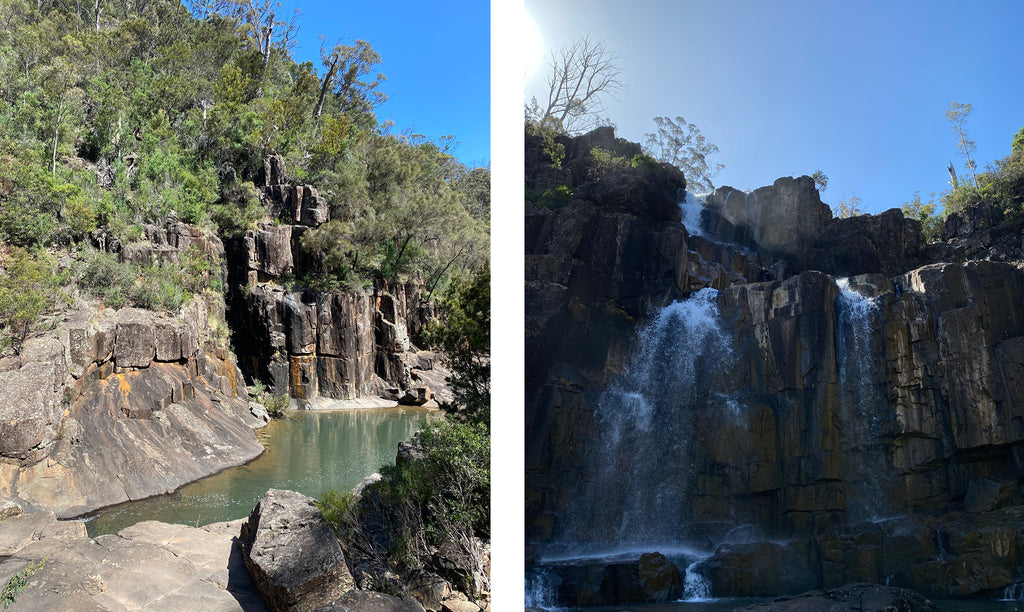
[(292, 554), (781, 218)]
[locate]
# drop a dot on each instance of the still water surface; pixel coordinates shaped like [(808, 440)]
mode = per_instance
[(308, 451)]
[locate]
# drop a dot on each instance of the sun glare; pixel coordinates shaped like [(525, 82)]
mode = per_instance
[(531, 51)]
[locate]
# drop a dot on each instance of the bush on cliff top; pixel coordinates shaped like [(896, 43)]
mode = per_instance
[(1001, 185)]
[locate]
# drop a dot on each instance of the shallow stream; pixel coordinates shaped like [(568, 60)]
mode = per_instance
[(308, 451)]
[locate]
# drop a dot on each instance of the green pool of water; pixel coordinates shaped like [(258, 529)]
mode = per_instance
[(308, 451)]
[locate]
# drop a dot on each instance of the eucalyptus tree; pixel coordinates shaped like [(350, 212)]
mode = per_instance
[(957, 115), (682, 145)]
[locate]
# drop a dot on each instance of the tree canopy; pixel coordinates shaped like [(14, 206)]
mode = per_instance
[(119, 113), (681, 144)]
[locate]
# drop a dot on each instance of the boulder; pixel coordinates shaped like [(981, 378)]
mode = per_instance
[(762, 569), (273, 250), (292, 554), (429, 589), (315, 210), (416, 396)]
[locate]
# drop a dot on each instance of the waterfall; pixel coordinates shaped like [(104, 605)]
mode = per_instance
[(692, 207), (541, 589), (1014, 592), (696, 586), (863, 405), (638, 469)]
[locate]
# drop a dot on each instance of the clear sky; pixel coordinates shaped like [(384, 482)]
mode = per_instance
[(858, 90), (435, 55)]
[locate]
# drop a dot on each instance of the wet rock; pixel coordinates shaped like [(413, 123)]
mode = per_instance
[(650, 579), (849, 598), (292, 554), (762, 569), (985, 494)]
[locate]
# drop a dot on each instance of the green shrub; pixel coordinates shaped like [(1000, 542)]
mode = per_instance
[(276, 405), (604, 162), (29, 286), (555, 197), (18, 582), (931, 223), (337, 509), (423, 503), (642, 160)]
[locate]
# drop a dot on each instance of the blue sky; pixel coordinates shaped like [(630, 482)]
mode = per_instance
[(858, 90), (435, 56)]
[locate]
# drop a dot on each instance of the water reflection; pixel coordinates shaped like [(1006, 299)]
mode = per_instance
[(309, 452)]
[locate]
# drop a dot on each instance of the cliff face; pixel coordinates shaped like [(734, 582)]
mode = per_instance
[(829, 407), (120, 405), (322, 344)]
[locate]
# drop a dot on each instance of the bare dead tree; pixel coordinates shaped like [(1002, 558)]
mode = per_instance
[(582, 73)]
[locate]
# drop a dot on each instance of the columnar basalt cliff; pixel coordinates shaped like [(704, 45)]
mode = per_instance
[(868, 412), (309, 344)]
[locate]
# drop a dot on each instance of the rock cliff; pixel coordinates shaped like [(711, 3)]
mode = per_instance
[(121, 404), (309, 343), (861, 375)]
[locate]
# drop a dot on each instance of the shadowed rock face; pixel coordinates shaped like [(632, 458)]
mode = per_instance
[(345, 346), (895, 393), (780, 218)]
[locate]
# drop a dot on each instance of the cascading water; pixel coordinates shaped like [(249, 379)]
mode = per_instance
[(863, 405), (638, 475), (1014, 592), (696, 587), (692, 207)]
